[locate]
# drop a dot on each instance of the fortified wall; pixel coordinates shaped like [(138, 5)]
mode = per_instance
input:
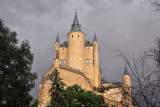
[(77, 60)]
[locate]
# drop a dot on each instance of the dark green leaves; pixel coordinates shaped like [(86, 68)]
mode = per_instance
[(16, 78)]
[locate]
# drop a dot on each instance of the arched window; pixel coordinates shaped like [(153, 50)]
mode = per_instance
[(89, 61), (64, 61), (72, 36), (78, 36)]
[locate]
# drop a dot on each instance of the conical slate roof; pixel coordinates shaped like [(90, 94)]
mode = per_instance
[(95, 37), (126, 71), (57, 39), (75, 26)]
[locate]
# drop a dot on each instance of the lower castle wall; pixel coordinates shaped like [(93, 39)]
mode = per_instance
[(44, 96), (69, 78)]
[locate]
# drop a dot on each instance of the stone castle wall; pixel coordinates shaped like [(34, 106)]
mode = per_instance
[(70, 77), (44, 96)]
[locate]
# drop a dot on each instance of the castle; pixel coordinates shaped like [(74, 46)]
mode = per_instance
[(77, 60)]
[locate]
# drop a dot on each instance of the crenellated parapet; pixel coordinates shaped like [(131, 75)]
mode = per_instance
[(77, 71)]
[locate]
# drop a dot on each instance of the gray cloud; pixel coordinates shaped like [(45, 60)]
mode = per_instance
[(120, 24)]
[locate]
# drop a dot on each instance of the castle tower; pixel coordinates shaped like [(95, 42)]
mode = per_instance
[(56, 60), (96, 61), (126, 78), (127, 99), (76, 46), (57, 44)]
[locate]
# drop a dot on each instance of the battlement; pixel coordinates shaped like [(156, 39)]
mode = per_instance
[(77, 71)]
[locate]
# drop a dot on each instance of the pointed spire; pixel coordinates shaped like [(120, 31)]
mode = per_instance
[(57, 56), (95, 37), (126, 71), (57, 39), (75, 25)]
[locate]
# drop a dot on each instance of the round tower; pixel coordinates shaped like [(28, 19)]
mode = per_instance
[(126, 80), (57, 44), (96, 62), (127, 99), (76, 46), (56, 61)]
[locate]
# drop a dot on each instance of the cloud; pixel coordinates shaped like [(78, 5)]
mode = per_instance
[(120, 24)]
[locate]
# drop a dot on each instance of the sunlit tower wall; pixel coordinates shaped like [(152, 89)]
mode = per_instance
[(76, 46), (96, 62)]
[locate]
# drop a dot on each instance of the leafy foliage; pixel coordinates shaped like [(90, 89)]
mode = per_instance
[(16, 79), (57, 91), (35, 103), (77, 97)]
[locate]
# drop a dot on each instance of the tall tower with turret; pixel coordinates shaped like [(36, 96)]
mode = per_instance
[(96, 61), (76, 45)]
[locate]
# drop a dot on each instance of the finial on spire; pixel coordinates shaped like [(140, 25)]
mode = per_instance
[(57, 39), (126, 70), (75, 26), (95, 37)]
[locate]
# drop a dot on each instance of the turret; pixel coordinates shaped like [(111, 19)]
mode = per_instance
[(56, 60), (126, 89), (76, 45), (57, 44), (126, 78), (96, 61)]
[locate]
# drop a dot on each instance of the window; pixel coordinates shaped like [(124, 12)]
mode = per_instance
[(63, 61), (88, 49), (78, 36), (72, 36), (88, 61), (63, 48)]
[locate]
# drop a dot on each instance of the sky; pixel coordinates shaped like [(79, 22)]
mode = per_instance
[(127, 25)]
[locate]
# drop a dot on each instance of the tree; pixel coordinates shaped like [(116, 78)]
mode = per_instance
[(145, 73), (156, 4), (57, 91), (16, 78), (35, 103), (77, 97)]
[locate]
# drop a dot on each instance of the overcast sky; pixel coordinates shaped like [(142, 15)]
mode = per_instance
[(128, 25)]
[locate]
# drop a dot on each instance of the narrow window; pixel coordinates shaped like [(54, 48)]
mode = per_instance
[(78, 36), (64, 61), (63, 48), (89, 61), (72, 36)]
